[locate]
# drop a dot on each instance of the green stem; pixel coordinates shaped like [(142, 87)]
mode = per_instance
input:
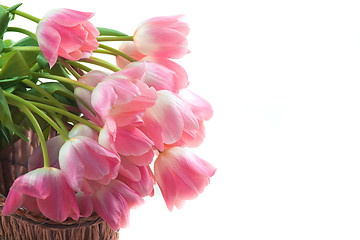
[(117, 52), (79, 65), (23, 14), (38, 131), (44, 100), (101, 63), (59, 122), (118, 38), (22, 49), (36, 110), (70, 68), (62, 79), (21, 30), (44, 93), (67, 114), (104, 52)]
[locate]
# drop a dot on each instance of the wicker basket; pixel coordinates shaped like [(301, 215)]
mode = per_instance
[(25, 225)]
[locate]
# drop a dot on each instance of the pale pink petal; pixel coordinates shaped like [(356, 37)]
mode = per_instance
[(72, 165), (108, 94), (160, 42), (84, 131), (131, 141), (166, 182), (113, 209), (145, 186), (129, 49), (53, 146), (156, 75), (120, 189), (68, 17), (33, 183), (71, 37), (170, 116), (85, 204), (198, 105), (142, 160), (61, 202), (129, 170), (13, 201), (49, 40), (180, 76), (181, 175)]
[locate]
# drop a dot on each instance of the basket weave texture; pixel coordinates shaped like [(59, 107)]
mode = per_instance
[(25, 225)]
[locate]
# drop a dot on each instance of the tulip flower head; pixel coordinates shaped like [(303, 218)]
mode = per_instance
[(48, 186), (181, 175), (66, 33), (162, 37)]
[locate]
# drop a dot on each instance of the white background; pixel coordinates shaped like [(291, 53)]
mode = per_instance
[(283, 79)]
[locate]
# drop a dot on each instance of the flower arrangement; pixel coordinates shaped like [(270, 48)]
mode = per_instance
[(119, 131)]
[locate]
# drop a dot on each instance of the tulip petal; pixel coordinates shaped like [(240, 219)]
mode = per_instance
[(49, 40), (13, 202), (68, 17)]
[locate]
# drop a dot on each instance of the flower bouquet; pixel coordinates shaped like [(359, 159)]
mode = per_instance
[(106, 132)]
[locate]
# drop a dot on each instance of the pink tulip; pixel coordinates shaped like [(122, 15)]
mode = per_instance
[(112, 202), (66, 33), (165, 122), (162, 37), (82, 158), (144, 186), (128, 141), (202, 111), (158, 76), (198, 105), (84, 131), (180, 76), (129, 49), (53, 145), (181, 175), (92, 78), (49, 189), (121, 98)]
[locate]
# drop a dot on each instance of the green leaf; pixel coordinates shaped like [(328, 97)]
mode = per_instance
[(15, 66), (13, 8), (5, 114), (41, 60), (10, 82), (8, 42), (27, 41), (110, 32), (4, 21), (2, 45)]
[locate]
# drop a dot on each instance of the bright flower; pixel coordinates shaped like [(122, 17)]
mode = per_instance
[(53, 146), (128, 141), (162, 37), (66, 33), (165, 122), (121, 98), (112, 202), (180, 76), (92, 78), (181, 175), (158, 76), (82, 158), (145, 186), (128, 47), (48, 187), (202, 111)]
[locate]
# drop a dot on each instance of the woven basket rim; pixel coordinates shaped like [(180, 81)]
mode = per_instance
[(43, 222)]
